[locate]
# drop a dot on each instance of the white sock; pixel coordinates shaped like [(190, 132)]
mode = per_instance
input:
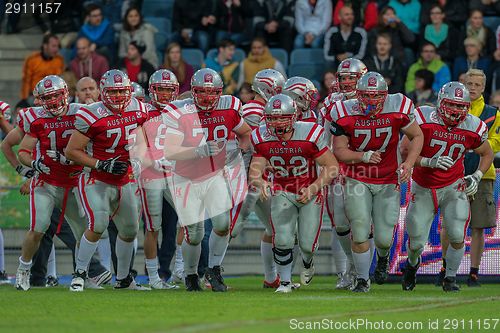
[(191, 255), (2, 255), (104, 249), (453, 260), (136, 245), (124, 252), (85, 253), (266, 252), (152, 268), (338, 255), (25, 266), (345, 242), (362, 264), (51, 263), (179, 261), (217, 246), (285, 271)]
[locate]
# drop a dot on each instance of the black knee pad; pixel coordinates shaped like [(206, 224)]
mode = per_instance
[(283, 253), (343, 233)]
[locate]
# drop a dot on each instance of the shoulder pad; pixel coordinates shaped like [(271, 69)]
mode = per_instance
[(228, 102)]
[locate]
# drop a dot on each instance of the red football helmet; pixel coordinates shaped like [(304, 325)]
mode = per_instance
[(348, 74), (52, 94), (206, 87), (371, 92), (453, 103), (163, 87), (116, 90), (280, 114)]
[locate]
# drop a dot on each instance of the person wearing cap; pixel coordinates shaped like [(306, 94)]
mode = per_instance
[(138, 69), (472, 58)]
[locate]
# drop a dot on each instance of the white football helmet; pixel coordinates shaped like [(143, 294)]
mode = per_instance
[(138, 91), (453, 103), (52, 93), (348, 73), (116, 90), (280, 114), (163, 87), (267, 83), (371, 92), (206, 87), (303, 92)]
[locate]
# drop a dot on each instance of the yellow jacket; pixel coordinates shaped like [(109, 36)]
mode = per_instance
[(476, 109)]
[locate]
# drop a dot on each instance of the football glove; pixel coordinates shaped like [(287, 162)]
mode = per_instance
[(367, 155), (39, 166), (25, 171), (113, 166), (472, 182), (58, 157), (440, 162), (210, 148), (136, 167), (162, 165)]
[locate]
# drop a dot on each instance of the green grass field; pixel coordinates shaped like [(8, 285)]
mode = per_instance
[(248, 308)]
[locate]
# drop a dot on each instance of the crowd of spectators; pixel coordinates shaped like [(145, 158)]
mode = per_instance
[(405, 40)]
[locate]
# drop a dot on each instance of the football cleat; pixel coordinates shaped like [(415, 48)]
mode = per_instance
[(103, 278), (192, 283), (380, 275), (473, 281), (450, 284), (440, 277), (162, 285), (410, 276), (295, 285), (362, 286), (4, 279), (23, 279), (52, 281), (348, 279), (307, 274), (213, 275), (78, 281), (130, 284), (284, 288), (275, 284)]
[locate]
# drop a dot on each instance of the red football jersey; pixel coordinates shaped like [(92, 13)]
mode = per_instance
[(293, 160), (53, 133), (378, 133), (197, 127), (441, 140), (110, 135), (252, 113)]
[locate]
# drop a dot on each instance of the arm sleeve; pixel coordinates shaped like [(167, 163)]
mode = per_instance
[(81, 124), (337, 130)]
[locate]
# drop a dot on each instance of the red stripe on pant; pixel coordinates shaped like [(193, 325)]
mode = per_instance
[(32, 205), (319, 228), (149, 219), (85, 202)]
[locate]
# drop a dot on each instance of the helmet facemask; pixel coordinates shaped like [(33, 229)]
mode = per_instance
[(206, 98), (371, 102), (55, 102), (278, 125), (347, 83), (117, 98), (453, 112), (163, 93)]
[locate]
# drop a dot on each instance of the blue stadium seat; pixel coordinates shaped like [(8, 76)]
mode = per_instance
[(307, 56), (161, 40), (492, 22), (163, 25), (239, 54), (316, 84), (281, 55), (310, 71), (194, 57), (158, 8)]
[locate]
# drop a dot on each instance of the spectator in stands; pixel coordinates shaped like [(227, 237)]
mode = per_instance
[(409, 13), (423, 93), (134, 29), (312, 19), (369, 13), (246, 93), (386, 64), (326, 84), (100, 32), (487, 7), (223, 64), (345, 40), (194, 22), (181, 69), (443, 36), (65, 22), (87, 91), (138, 69), (472, 59), (475, 28), (455, 11), (88, 62), (274, 21), (401, 36), (231, 20), (495, 99), (428, 60), (258, 59), (39, 64)]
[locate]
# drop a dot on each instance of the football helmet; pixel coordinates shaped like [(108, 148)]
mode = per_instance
[(116, 90), (163, 87), (206, 87), (348, 74), (138, 91), (334, 86), (267, 83), (52, 93), (280, 114), (453, 103), (371, 92), (303, 92)]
